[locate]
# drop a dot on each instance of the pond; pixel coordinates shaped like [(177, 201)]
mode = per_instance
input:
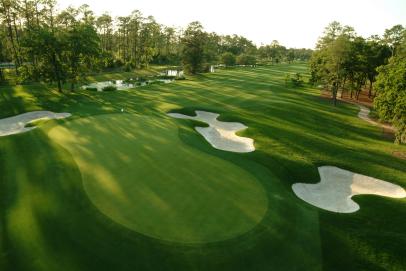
[(124, 85)]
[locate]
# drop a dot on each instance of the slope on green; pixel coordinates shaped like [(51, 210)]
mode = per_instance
[(138, 172)]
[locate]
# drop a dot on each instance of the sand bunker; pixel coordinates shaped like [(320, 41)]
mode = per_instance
[(221, 135), (337, 186), (16, 124)]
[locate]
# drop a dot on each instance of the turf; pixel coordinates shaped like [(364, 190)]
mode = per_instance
[(138, 172), (48, 221)]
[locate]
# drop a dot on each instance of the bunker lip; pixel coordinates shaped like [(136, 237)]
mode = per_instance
[(221, 135), (16, 124), (337, 186)]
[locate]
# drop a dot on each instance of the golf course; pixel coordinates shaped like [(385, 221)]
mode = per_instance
[(210, 135), (118, 184)]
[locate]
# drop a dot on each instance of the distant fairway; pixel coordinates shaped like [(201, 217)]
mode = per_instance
[(137, 171)]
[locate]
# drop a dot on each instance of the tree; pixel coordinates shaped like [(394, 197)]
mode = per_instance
[(47, 44), (104, 25), (290, 55), (377, 55), (148, 40), (276, 51), (82, 45), (356, 66), (390, 101), (393, 37), (237, 45), (336, 54), (246, 59), (329, 64), (193, 42), (8, 13), (228, 59)]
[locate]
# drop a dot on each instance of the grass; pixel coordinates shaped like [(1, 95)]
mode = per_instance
[(49, 223), (130, 167)]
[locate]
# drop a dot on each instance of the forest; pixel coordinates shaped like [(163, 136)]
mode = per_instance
[(44, 44)]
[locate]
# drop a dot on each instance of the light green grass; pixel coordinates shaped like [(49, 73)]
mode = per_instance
[(138, 172)]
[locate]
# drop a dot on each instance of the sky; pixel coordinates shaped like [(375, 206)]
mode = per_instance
[(294, 23)]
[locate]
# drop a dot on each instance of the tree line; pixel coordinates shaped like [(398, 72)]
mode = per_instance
[(44, 44), (346, 62)]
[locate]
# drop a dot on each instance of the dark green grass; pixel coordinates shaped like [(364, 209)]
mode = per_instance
[(48, 223)]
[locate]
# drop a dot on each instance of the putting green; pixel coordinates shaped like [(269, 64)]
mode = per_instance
[(138, 172)]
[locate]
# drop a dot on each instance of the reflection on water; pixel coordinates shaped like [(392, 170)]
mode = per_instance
[(124, 85)]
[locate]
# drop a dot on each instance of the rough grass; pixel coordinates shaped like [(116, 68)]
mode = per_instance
[(48, 222)]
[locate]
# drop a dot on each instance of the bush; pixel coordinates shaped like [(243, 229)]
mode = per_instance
[(91, 88), (128, 67), (297, 80), (128, 81), (110, 88), (26, 74), (390, 102), (165, 77), (245, 59), (228, 59)]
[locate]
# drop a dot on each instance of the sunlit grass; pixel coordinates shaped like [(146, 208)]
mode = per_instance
[(47, 216)]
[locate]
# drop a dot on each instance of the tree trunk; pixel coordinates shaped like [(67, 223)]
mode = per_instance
[(335, 88), (56, 71), (11, 37), (343, 86), (370, 89), (1, 76), (59, 85)]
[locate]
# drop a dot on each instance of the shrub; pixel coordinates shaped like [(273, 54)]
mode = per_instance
[(128, 67), (287, 79), (128, 81), (91, 88), (169, 77), (245, 59), (228, 59), (110, 88), (297, 80)]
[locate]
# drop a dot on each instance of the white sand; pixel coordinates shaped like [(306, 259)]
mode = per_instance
[(337, 186), (221, 135), (16, 124)]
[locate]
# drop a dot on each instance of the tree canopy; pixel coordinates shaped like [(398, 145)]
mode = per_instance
[(45, 44), (391, 98), (344, 61)]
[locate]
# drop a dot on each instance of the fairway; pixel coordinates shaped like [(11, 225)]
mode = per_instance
[(140, 190), (138, 172)]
